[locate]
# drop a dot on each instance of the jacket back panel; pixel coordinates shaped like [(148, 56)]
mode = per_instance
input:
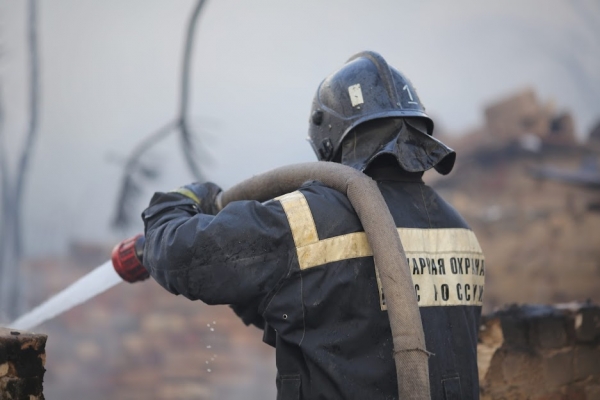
[(333, 334)]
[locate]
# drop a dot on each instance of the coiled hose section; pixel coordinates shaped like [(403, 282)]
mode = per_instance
[(410, 354)]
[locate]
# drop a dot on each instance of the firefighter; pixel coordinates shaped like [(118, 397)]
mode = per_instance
[(299, 266)]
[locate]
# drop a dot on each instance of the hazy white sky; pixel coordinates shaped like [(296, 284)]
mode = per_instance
[(110, 74)]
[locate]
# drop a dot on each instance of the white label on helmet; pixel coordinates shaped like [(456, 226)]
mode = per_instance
[(412, 101), (355, 95)]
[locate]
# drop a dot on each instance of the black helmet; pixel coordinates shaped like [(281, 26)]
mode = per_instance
[(366, 88)]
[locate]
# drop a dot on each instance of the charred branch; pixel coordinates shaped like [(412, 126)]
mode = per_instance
[(134, 169)]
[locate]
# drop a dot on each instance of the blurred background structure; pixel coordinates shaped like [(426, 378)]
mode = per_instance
[(513, 86)]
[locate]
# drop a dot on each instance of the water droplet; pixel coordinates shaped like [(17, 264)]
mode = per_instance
[(208, 325), (211, 359), (214, 322), (212, 329), (208, 370), (214, 355), (209, 347)]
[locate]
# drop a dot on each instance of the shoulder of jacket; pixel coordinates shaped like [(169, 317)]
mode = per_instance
[(309, 188)]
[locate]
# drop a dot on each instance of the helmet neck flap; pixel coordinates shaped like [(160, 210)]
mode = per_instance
[(405, 139)]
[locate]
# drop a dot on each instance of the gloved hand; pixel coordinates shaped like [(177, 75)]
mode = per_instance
[(203, 194)]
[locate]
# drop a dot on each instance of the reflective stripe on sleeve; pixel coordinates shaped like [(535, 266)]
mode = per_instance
[(187, 193)]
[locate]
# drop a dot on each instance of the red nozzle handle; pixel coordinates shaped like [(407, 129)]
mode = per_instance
[(127, 259)]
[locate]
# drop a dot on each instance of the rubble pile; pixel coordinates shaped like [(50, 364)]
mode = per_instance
[(522, 115), (22, 360), (539, 235), (541, 352)]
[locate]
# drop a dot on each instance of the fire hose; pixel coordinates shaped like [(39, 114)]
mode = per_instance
[(410, 354)]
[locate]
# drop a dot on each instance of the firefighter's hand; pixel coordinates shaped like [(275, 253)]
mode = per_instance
[(203, 194)]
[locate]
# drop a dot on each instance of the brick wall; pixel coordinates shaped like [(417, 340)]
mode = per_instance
[(541, 352), (22, 359)]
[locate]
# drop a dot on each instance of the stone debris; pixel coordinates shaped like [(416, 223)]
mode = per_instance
[(523, 114), (22, 360), (540, 352)]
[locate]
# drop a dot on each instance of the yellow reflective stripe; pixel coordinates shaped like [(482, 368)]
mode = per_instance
[(337, 248), (187, 193), (447, 265), (449, 240), (300, 218), (414, 240)]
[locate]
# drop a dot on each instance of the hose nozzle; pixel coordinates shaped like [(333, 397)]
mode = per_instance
[(127, 259)]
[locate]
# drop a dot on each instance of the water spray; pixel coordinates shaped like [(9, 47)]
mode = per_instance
[(125, 265)]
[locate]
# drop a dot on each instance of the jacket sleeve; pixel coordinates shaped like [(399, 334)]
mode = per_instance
[(235, 257)]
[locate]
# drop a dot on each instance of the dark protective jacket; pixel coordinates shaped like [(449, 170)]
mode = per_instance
[(300, 267)]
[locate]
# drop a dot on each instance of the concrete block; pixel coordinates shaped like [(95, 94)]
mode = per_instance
[(22, 360)]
